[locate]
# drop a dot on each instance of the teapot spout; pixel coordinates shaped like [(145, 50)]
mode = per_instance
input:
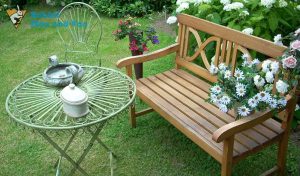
[(53, 60)]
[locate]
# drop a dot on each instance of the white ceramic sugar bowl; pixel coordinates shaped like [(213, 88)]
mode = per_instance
[(75, 101)]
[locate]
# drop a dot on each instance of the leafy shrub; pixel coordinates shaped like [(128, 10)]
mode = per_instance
[(263, 18), (116, 8)]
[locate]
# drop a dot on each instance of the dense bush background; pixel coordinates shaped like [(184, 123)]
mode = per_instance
[(121, 8)]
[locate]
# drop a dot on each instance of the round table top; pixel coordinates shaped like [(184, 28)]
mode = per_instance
[(34, 104)]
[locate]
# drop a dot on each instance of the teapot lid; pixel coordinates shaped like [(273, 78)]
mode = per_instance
[(73, 95)]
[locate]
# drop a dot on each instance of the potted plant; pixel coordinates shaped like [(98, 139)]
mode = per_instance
[(138, 39)]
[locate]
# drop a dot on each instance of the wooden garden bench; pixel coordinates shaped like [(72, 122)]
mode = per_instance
[(180, 97)]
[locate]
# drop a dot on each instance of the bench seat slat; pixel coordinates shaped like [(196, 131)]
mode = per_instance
[(180, 98), (181, 122), (269, 125), (199, 104)]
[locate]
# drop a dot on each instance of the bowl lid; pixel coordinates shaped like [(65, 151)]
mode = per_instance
[(73, 94)]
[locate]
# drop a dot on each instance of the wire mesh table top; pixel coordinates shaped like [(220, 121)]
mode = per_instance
[(37, 105)]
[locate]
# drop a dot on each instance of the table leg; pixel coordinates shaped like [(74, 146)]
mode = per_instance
[(102, 144), (86, 150), (62, 152), (67, 146)]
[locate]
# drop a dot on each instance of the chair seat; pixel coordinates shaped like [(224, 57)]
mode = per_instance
[(180, 98)]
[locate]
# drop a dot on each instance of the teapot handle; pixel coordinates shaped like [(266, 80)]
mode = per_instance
[(72, 70)]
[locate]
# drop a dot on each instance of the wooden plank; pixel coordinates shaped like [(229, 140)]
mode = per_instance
[(169, 112), (199, 105), (228, 52), (223, 50), (254, 133), (143, 112), (258, 44), (200, 125)]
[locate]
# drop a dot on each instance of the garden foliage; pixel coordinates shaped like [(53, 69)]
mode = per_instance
[(263, 18), (116, 8)]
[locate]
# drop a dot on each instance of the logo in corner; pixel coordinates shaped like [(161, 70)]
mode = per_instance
[(16, 16)]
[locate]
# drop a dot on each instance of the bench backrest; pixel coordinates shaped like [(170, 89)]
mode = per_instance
[(228, 44)]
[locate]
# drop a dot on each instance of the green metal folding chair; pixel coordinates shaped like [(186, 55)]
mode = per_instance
[(79, 27)]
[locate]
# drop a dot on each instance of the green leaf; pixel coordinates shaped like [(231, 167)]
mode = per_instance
[(273, 21), (214, 17), (257, 31), (284, 22)]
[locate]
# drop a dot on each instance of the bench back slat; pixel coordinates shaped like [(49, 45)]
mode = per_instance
[(228, 44)]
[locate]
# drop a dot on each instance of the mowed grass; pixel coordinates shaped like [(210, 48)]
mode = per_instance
[(154, 148)]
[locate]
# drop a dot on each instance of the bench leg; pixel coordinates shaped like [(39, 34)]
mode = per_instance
[(227, 157), (132, 116), (281, 157)]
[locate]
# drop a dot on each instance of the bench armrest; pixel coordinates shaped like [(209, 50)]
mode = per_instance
[(147, 57), (240, 125)]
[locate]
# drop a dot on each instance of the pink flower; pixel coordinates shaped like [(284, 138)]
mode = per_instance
[(133, 46), (145, 48), (296, 45), (289, 62)]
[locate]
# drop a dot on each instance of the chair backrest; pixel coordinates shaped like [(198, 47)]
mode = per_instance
[(228, 45), (79, 27)]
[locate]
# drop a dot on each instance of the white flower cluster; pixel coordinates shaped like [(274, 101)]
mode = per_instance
[(236, 88), (172, 20), (248, 31), (225, 2), (267, 3), (282, 3), (182, 6), (244, 13), (278, 40), (233, 6)]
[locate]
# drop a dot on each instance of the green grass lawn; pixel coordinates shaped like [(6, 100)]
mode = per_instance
[(153, 148)]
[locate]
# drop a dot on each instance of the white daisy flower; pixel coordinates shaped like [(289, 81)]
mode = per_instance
[(266, 66), (259, 81), (247, 63), (281, 86), (240, 86), (245, 56), (216, 89), (269, 77), (223, 108), (257, 98), (274, 67), (282, 102), (225, 100), (222, 67), (243, 111), (239, 74), (213, 69), (240, 91), (252, 102), (272, 103), (227, 74), (213, 98), (264, 96), (255, 61)]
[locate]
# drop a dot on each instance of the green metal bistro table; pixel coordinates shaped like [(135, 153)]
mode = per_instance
[(38, 106)]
